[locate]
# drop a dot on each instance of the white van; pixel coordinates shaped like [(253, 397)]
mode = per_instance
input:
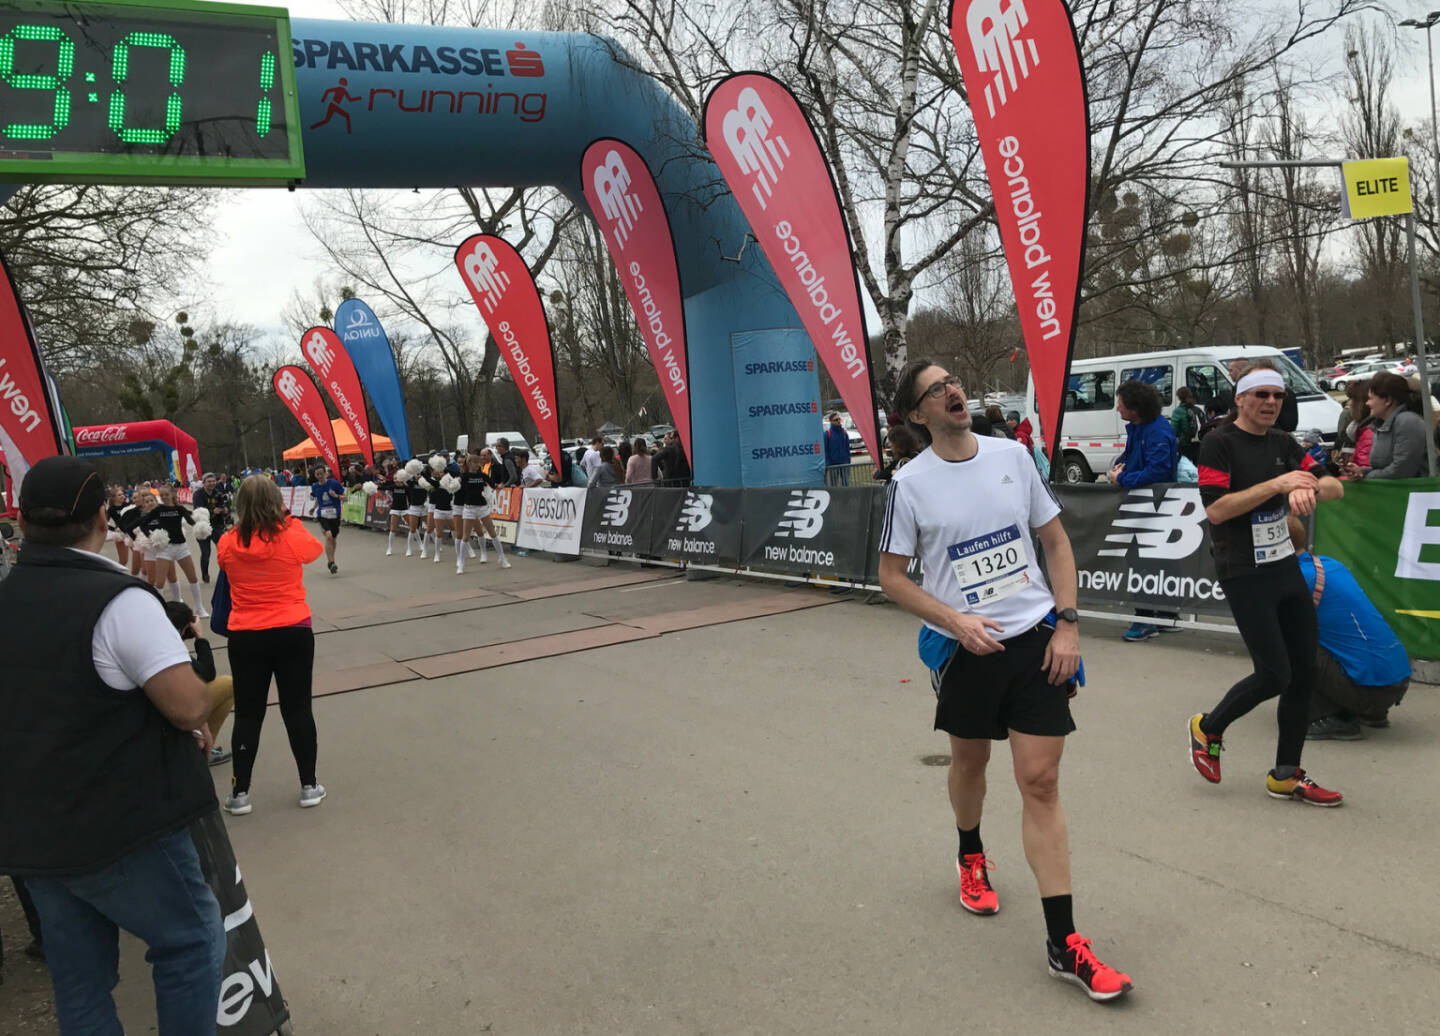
[(1094, 435), (515, 439)]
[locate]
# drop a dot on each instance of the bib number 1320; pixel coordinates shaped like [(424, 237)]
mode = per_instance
[(990, 568)]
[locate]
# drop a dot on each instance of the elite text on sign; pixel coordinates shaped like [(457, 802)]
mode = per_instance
[(1376, 187)]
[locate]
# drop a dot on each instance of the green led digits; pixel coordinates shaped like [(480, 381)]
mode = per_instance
[(120, 70), (267, 80), (64, 66)]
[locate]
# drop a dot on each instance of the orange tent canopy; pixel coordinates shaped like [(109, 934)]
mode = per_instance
[(345, 443)]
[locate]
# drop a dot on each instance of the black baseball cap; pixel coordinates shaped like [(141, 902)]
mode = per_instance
[(58, 490)]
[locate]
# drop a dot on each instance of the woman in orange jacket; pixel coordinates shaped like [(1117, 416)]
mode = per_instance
[(270, 633)]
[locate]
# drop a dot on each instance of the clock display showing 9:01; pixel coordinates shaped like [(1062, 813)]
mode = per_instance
[(172, 83)]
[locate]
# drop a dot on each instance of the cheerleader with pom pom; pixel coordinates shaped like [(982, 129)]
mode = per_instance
[(170, 548), (442, 499), (415, 514), (136, 525), (479, 489), (115, 512), (399, 500)]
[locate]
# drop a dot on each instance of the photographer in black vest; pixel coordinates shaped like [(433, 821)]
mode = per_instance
[(102, 762)]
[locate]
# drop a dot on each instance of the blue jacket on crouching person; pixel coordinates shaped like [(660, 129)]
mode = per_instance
[(1150, 453)]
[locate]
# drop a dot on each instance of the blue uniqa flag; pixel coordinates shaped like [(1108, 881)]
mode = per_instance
[(369, 348)]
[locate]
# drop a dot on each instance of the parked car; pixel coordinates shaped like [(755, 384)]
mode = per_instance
[(1363, 370)]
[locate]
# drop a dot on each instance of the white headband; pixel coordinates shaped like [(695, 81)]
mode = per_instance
[(1255, 379)]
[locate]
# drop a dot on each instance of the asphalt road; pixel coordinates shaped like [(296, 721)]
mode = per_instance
[(739, 828)]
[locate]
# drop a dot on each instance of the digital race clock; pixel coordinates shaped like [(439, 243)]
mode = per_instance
[(147, 91)]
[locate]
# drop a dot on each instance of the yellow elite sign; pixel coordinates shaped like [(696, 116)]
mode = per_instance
[(1376, 187)]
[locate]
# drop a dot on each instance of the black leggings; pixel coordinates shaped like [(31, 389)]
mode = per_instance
[(1276, 617), (288, 654)]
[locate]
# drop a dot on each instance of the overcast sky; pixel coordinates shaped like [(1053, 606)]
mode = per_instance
[(263, 251)]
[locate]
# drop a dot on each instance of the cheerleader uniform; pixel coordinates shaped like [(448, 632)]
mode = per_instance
[(399, 503), (441, 504), (170, 518), (114, 517)]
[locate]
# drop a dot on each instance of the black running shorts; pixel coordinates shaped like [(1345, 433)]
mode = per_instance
[(331, 525), (987, 696)]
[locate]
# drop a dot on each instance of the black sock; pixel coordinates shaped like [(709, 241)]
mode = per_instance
[(1059, 919), (970, 841)]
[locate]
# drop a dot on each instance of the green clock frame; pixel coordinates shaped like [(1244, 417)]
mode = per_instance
[(206, 170)]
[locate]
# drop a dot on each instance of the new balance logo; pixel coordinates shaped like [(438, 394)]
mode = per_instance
[(1169, 528), (617, 507), (994, 27), (747, 133), (695, 514), (621, 208), (803, 514), (482, 267)]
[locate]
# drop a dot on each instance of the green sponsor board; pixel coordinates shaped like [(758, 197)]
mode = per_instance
[(1387, 532), (353, 509)]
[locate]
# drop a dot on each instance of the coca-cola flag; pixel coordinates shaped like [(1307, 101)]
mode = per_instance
[(771, 158), (1021, 65), (31, 428), (328, 358), (298, 392), (623, 196), (509, 302)]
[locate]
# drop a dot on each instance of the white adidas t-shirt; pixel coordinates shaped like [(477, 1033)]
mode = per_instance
[(969, 524)]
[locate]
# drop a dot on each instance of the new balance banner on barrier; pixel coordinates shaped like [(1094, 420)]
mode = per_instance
[(250, 999), (619, 519), (1146, 548), (623, 196), (369, 350), (1387, 533), (329, 360), (550, 520), (773, 164), (31, 422), (698, 525), (820, 531), (299, 394), (509, 302), (1021, 65)]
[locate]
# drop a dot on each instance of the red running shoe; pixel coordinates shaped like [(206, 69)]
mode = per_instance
[(1303, 788), (976, 895), (1076, 963), (1204, 750)]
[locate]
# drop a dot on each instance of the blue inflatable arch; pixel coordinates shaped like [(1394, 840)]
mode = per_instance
[(436, 106)]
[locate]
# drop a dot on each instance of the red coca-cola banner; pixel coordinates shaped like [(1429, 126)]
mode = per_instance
[(509, 302), (298, 392), (771, 158), (1021, 65), (329, 359), (623, 196), (30, 428)]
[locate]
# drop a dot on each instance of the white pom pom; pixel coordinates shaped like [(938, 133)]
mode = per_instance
[(403, 475), (437, 463), (414, 467), (159, 539), (200, 514), (203, 530), (370, 488), (450, 483), (424, 483)]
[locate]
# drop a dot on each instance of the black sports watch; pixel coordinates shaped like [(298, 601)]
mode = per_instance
[(1067, 615)]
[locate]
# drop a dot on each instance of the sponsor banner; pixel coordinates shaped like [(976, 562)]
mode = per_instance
[(624, 199), (368, 347), (182, 455), (777, 395), (32, 425), (1387, 533), (1021, 66), (328, 359), (550, 520), (250, 1000), (506, 515), (377, 509), (819, 531), (699, 525), (619, 519), (299, 394), (1147, 548), (773, 163), (352, 508), (509, 302)]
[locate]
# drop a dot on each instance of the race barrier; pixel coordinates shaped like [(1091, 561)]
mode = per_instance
[(1138, 548)]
